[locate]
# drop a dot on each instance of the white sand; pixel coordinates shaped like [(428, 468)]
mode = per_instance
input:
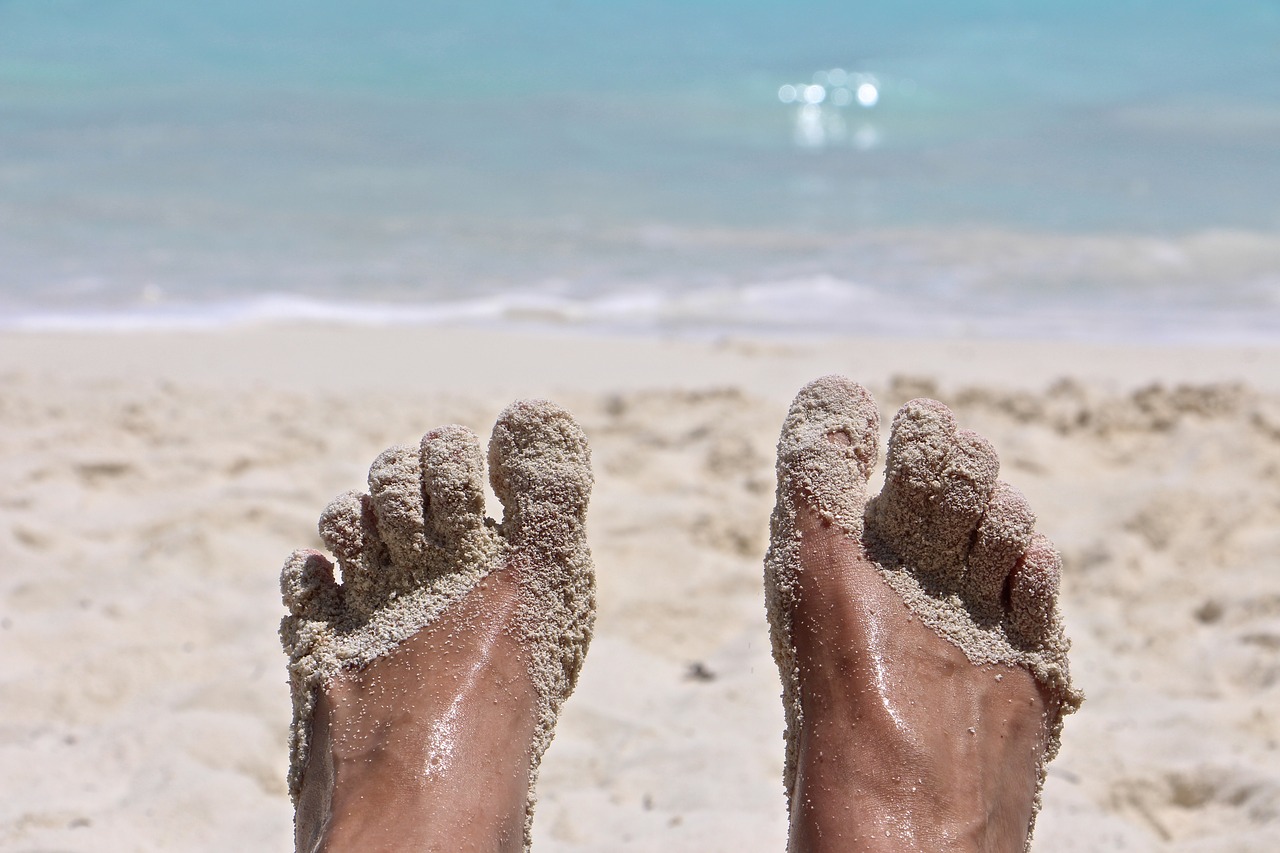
[(152, 486)]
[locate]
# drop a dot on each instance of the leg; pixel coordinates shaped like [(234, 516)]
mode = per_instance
[(426, 685), (922, 657)]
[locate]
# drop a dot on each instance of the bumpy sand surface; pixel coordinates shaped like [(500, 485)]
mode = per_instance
[(143, 705), (419, 541)]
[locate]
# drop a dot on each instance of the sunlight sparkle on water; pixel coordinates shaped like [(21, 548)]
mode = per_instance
[(820, 115)]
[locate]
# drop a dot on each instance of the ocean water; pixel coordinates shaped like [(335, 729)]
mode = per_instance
[(1105, 170)]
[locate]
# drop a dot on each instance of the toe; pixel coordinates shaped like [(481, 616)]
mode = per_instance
[(348, 528), (938, 481), (1002, 538), (396, 491), (540, 468), (308, 587), (453, 477), (828, 447), (919, 439), (1033, 593), (968, 478)]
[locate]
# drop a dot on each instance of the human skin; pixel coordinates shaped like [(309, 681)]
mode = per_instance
[(428, 748), (906, 745)]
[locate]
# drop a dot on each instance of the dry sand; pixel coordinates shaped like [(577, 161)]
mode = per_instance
[(154, 484)]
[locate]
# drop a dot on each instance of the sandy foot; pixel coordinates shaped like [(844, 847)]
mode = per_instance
[(917, 633), (427, 684)]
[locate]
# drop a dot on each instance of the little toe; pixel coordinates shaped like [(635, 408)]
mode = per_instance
[(828, 447), (540, 468), (308, 588), (938, 481), (1033, 594), (453, 478), (1003, 536), (396, 491)]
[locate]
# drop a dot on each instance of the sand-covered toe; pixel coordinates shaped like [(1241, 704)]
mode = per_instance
[(308, 587), (938, 480), (453, 489), (1033, 596), (1000, 541), (828, 446), (540, 469)]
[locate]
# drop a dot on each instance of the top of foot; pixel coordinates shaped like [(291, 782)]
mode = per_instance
[(419, 541), (955, 544)]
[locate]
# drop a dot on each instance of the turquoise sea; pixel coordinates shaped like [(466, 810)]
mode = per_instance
[(1087, 169)]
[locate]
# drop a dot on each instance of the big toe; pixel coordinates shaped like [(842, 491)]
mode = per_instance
[(828, 447), (540, 469)]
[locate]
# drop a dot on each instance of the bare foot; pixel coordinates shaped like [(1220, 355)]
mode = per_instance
[(426, 686), (922, 655)]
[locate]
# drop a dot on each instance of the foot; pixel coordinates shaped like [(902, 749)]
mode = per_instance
[(426, 685), (918, 636)]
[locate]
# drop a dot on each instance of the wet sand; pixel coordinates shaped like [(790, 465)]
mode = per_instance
[(154, 485)]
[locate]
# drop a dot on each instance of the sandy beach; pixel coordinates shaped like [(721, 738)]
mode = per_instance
[(153, 484)]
